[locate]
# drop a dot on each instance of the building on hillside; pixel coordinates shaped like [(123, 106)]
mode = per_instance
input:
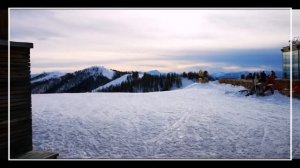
[(295, 60)]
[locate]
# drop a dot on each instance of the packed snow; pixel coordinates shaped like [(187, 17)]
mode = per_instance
[(201, 121), (48, 76), (115, 82)]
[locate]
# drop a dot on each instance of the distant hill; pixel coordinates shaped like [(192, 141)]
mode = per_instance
[(80, 81), (101, 79), (237, 75)]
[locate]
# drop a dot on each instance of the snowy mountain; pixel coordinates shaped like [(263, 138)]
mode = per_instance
[(101, 79), (80, 81), (46, 76), (99, 70)]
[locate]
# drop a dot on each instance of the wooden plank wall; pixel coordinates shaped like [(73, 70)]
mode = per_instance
[(3, 102), (20, 101), (3, 84), (3, 24)]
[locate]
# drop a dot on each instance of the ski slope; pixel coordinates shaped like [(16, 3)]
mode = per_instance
[(115, 82), (202, 121)]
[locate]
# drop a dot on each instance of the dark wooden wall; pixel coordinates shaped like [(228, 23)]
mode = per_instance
[(3, 101), (3, 84), (3, 24), (20, 99)]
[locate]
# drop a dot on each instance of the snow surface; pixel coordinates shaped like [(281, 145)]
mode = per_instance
[(49, 75), (115, 82), (202, 121)]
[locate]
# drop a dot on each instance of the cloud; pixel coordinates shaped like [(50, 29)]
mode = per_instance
[(249, 69), (296, 22), (139, 39)]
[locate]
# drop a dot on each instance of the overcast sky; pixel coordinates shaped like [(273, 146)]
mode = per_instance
[(165, 40)]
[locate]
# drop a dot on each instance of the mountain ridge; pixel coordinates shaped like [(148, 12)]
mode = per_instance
[(101, 79)]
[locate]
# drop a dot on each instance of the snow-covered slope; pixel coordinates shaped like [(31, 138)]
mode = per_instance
[(115, 82), (46, 76), (79, 77), (205, 121)]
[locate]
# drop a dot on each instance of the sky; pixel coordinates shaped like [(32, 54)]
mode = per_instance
[(168, 40)]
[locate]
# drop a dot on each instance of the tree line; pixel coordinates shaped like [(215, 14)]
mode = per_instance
[(147, 83)]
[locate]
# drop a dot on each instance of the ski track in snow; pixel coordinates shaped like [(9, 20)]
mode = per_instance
[(208, 121)]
